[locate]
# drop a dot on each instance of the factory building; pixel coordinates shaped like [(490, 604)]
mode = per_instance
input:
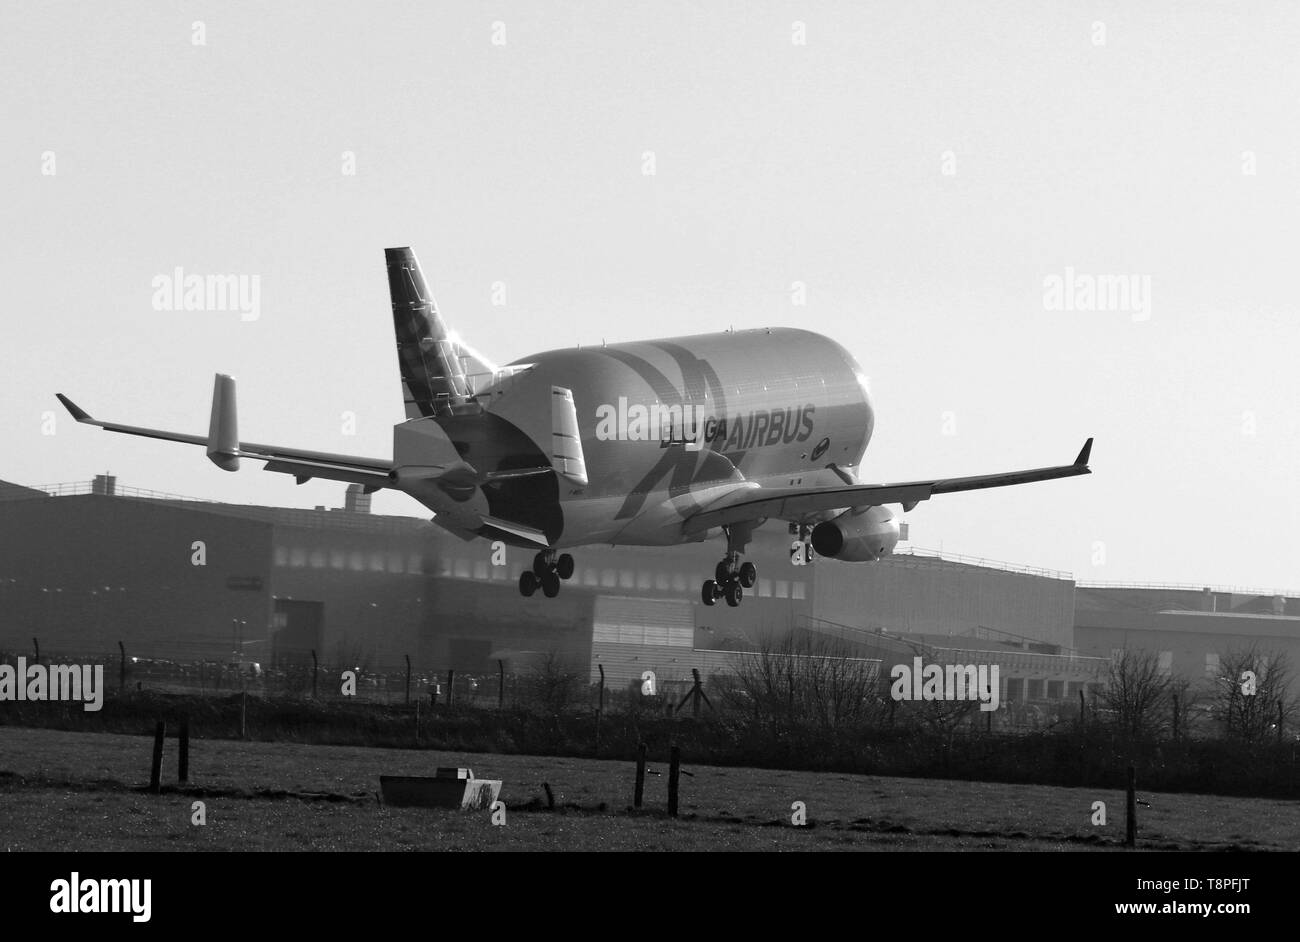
[(85, 568)]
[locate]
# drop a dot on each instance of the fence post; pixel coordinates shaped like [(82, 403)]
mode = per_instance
[(155, 769), (451, 676), (243, 714), (1279, 722), (1130, 829), (417, 721), (639, 793), (121, 673), (501, 684), (183, 771), (408, 679), (1083, 709), (674, 773), (600, 704), (315, 672)]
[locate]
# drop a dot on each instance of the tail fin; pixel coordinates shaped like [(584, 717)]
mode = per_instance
[(437, 369)]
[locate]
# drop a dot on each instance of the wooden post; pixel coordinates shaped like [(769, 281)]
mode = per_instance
[(1083, 709), (417, 721), (550, 796), (408, 679), (121, 674), (501, 684), (1131, 825), (1279, 722), (183, 771), (315, 672), (674, 773), (243, 715), (451, 676), (155, 770), (639, 793), (600, 705)]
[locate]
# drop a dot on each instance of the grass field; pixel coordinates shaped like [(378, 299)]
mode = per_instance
[(83, 792)]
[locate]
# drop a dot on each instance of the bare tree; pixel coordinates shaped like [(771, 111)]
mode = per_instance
[(1137, 694), (553, 685), (804, 678), (1250, 688)]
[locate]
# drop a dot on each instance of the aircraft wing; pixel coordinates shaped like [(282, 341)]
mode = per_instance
[(225, 449), (791, 503)]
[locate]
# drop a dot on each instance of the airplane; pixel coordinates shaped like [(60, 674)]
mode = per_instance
[(650, 443)]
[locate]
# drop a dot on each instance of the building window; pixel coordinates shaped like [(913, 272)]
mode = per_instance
[(297, 558), (317, 559), (394, 562), (281, 556), (1034, 690), (376, 562), (1055, 689), (679, 582), (798, 590), (338, 559), (444, 566), (608, 578), (643, 579), (1211, 666), (357, 562), (414, 564), (782, 589), (461, 569), (1015, 688), (661, 581), (590, 577), (764, 588), (480, 569), (627, 579)]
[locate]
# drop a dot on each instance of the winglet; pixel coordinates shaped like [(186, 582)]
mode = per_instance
[(1082, 460), (223, 428), (81, 415)]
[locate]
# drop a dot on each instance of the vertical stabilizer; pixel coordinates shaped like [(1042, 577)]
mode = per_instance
[(438, 371)]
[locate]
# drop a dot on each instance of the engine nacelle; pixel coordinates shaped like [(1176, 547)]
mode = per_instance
[(857, 536)]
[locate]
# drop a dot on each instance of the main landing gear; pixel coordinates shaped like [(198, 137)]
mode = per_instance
[(731, 577), (548, 569)]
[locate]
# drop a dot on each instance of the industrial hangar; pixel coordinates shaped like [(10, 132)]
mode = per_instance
[(84, 567)]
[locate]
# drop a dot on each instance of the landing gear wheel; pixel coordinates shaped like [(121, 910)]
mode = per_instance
[(709, 593), (734, 593), (550, 585), (541, 565), (527, 583), (722, 574), (748, 575), (564, 566)]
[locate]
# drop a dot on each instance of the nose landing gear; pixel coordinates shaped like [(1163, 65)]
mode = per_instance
[(547, 572)]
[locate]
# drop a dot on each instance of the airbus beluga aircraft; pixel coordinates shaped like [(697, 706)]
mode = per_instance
[(650, 443)]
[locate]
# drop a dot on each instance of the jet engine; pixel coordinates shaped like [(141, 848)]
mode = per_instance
[(857, 536)]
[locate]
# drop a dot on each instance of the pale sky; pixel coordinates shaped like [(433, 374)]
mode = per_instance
[(923, 169)]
